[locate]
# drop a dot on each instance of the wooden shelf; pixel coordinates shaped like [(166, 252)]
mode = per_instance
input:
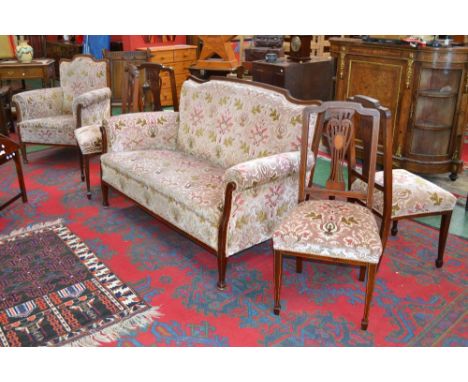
[(436, 94)]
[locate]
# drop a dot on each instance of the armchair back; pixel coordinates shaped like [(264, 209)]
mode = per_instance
[(229, 121), (80, 75)]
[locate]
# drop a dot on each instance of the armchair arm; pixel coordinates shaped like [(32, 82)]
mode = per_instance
[(264, 170), (92, 107), (141, 131), (40, 103)]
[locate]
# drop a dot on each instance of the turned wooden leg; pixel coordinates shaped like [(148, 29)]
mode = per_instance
[(298, 264), (362, 273), (86, 168), (444, 229), (222, 265), (80, 158), (278, 274), (371, 270), (105, 194), (19, 171), (394, 227)]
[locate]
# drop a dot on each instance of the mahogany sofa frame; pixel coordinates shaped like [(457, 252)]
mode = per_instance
[(220, 253)]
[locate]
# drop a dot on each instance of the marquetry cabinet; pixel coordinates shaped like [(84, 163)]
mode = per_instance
[(425, 88), (179, 57)]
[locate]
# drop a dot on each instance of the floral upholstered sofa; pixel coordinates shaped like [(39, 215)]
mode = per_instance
[(223, 170)]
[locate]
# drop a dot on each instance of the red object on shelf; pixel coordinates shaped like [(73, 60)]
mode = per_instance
[(138, 41)]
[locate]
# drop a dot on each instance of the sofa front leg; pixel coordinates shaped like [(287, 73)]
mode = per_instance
[(222, 265)]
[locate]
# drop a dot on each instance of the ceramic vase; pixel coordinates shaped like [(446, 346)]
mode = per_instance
[(24, 52)]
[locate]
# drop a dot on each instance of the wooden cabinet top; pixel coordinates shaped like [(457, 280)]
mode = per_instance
[(453, 54), (43, 62), (168, 47)]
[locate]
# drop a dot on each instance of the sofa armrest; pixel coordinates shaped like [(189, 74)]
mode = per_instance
[(92, 107), (141, 131), (40, 103), (264, 170)]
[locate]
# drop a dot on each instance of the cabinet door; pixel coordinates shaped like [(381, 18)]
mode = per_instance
[(432, 124), (382, 79)]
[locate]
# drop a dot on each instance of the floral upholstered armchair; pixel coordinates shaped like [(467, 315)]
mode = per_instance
[(50, 116)]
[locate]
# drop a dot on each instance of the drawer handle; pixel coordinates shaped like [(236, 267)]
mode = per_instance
[(23, 74), (10, 73)]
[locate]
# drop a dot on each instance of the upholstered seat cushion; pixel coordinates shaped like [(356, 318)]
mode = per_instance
[(412, 195), (192, 182), (330, 228), (89, 139), (54, 130)]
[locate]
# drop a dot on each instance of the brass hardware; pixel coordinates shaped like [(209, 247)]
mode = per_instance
[(409, 70), (342, 61)]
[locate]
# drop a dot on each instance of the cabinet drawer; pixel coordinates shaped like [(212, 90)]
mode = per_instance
[(182, 67), (185, 55), (20, 73), (179, 79), (163, 57)]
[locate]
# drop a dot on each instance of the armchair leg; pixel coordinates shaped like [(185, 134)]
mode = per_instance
[(278, 270), (394, 227), (105, 194), (298, 264), (80, 158), (86, 168), (362, 273), (444, 229), (23, 152), (19, 171), (371, 270), (222, 265)]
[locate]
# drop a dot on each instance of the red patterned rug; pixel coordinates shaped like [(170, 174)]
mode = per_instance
[(55, 291), (414, 304)]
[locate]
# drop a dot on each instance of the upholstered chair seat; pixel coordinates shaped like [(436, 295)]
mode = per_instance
[(89, 139), (57, 129), (412, 195), (330, 228)]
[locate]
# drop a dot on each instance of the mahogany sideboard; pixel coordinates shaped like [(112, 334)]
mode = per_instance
[(425, 88), (308, 80), (179, 57)]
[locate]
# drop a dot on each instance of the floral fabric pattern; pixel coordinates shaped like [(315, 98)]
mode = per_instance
[(330, 228), (256, 211), (184, 216), (264, 170), (40, 103), (411, 194), (79, 76), (195, 183), (229, 123), (95, 106), (56, 130), (142, 131), (89, 139)]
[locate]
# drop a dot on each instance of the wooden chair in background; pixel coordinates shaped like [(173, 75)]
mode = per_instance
[(153, 85), (9, 150), (330, 230)]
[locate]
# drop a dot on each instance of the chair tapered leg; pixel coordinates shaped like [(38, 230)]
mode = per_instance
[(371, 270), (362, 273), (222, 265), (105, 194), (394, 227), (298, 264), (278, 270), (86, 169), (80, 158), (444, 229), (24, 154)]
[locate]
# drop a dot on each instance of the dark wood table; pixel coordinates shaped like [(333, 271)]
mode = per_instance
[(41, 68)]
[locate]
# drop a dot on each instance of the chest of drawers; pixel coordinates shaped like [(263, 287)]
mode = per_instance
[(179, 57)]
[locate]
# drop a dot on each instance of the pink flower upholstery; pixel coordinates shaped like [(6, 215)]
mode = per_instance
[(95, 106), (40, 103), (52, 130), (330, 228), (89, 139), (412, 195)]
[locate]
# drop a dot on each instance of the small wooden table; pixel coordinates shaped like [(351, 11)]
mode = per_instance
[(42, 68)]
